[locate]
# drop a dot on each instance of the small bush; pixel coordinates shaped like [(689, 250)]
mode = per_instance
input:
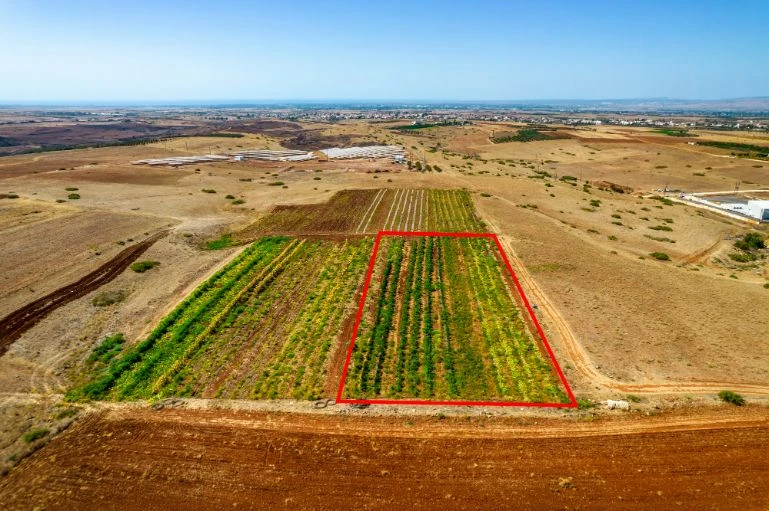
[(731, 397), (743, 257), (208, 190), (484, 194), (751, 241), (73, 196), (67, 412), (238, 202), (230, 197), (660, 256), (108, 298), (142, 266), (71, 189), (661, 228), (275, 183), (34, 434)]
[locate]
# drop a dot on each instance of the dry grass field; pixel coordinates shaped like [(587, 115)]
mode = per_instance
[(670, 333)]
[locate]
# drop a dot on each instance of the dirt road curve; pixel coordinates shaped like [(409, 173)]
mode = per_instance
[(18, 322), (195, 459), (580, 360)]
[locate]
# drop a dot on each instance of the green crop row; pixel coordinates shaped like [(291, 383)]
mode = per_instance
[(177, 325), (447, 327)]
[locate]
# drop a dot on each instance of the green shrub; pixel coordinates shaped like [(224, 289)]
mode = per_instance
[(73, 196), (34, 434), (224, 241), (661, 228), (142, 266), (238, 202), (228, 196), (751, 241), (743, 257), (731, 397), (660, 256), (275, 183), (208, 190), (484, 194), (71, 189)]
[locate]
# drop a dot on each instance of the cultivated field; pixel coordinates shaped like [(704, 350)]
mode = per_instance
[(262, 327), (370, 211), (441, 322), (640, 298)]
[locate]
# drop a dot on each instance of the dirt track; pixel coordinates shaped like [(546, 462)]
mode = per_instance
[(193, 459), (18, 322)]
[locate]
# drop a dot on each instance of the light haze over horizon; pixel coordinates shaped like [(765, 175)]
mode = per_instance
[(397, 51)]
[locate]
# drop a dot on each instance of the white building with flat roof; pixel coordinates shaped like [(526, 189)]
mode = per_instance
[(758, 209)]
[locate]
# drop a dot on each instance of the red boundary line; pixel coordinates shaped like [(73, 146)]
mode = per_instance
[(359, 316)]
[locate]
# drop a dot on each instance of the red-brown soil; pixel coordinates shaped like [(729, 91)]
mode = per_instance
[(193, 459)]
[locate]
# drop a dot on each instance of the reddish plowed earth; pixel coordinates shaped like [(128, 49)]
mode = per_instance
[(341, 214), (218, 459), (15, 324)]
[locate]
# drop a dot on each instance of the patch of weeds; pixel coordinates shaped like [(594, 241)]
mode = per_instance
[(660, 256), (238, 202), (107, 298), (34, 434), (660, 228), (142, 266), (208, 190), (728, 396), (67, 412), (73, 196), (658, 238), (224, 241), (229, 196)]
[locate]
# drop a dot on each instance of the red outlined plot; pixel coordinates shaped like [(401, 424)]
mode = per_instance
[(339, 399)]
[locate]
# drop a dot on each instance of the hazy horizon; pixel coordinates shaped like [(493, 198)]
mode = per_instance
[(176, 52)]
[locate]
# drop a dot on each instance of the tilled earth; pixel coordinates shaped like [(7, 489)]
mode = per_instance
[(137, 458)]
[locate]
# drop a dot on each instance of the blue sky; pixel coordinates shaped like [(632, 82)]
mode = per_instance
[(478, 50)]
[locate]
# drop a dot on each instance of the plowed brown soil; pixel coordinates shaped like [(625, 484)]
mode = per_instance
[(194, 459)]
